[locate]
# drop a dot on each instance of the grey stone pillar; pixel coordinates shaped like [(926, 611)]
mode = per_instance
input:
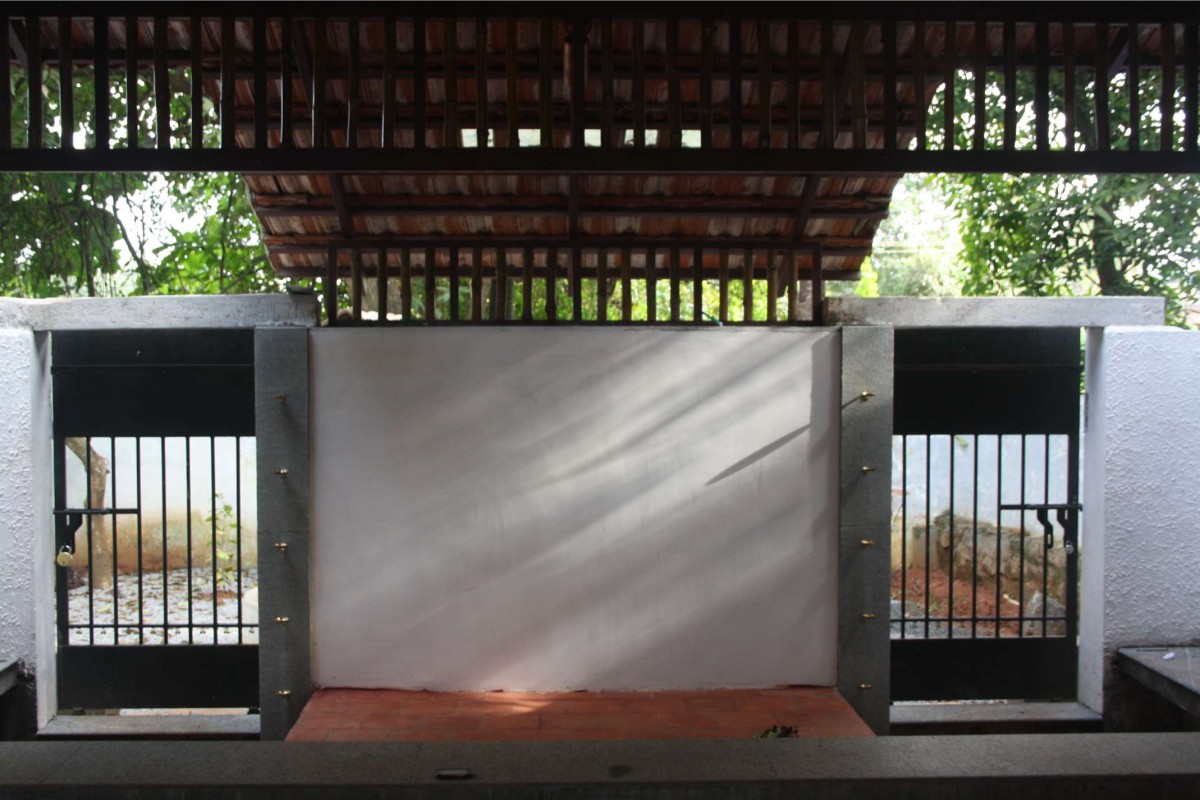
[(864, 560), (281, 430)]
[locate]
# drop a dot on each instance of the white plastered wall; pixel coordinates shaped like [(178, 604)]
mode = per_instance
[(545, 509), (1140, 572)]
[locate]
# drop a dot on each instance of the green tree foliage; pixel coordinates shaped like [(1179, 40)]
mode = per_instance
[(1069, 235)]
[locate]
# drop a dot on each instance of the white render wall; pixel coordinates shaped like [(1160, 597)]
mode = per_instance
[(549, 509), (17, 497), (1141, 526)]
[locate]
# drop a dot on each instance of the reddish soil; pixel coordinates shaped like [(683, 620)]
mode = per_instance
[(939, 600)]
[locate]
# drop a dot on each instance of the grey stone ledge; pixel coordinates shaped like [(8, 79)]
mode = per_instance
[(167, 726), (207, 311), (995, 312)]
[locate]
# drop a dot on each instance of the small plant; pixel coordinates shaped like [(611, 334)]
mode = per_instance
[(226, 534)]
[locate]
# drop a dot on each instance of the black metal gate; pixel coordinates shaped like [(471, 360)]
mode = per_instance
[(156, 586), (985, 514)]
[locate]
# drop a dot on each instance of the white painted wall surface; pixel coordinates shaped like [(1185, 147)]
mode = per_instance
[(546, 509), (1141, 553), (17, 497)]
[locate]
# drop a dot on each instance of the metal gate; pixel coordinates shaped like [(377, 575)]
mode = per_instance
[(985, 514), (153, 482)]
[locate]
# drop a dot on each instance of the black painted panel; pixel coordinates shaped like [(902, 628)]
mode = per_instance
[(165, 676), (983, 669)]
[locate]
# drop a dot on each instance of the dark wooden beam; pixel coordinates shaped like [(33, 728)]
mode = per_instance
[(804, 211)]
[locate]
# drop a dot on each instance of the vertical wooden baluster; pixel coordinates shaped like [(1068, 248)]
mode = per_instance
[(450, 80), (607, 123), (356, 284), (381, 285), (889, 85), (576, 283), (697, 284), (748, 286), (260, 81), (764, 83), (511, 87), (1101, 84), (578, 39), (602, 285), (723, 285), (329, 288), (919, 94), (1132, 86), (675, 279), (772, 288), (406, 281), (858, 91), (66, 84), (1068, 38), (1191, 85), (228, 76), (527, 289), (674, 90), (948, 106), (818, 284), (735, 82), (1166, 141), (196, 89), (551, 284), (6, 79), (793, 83), (791, 275), (132, 126), (430, 273), (317, 93), (639, 82), (286, 26), (829, 100), (477, 284), (651, 286), (1041, 98), (419, 83), (454, 284), (100, 86), (387, 122), (626, 286), (707, 29), (481, 83), (981, 54), (546, 81), (354, 83), (1010, 85), (500, 311)]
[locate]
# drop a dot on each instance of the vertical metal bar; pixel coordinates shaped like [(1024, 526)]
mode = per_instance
[(1069, 91), (748, 286), (829, 98), (981, 54), (481, 83), (999, 526), (6, 102), (212, 489), (858, 84), (316, 94), (1133, 86), (772, 288), (430, 284), (166, 589), (551, 285), (527, 289), (707, 29), (953, 544), (137, 445), (91, 548), (1191, 85), (602, 285), (919, 94), (381, 285), (975, 539), (793, 84), (512, 88), (735, 82), (1072, 576), (889, 84), (162, 87), (187, 460), (697, 284), (1101, 75), (450, 128), (651, 286), (1046, 550), (419, 96), (928, 518), (116, 584), (1021, 559), (356, 284), (1041, 97), (764, 83), (477, 284), (387, 122), (546, 81), (1166, 142), (723, 285), (638, 89), (228, 76), (948, 106), (904, 536), (673, 267), (237, 504), (1010, 85), (607, 125), (66, 84), (454, 285), (196, 80), (330, 286), (132, 126), (674, 111), (33, 82), (818, 283), (626, 285), (353, 81), (260, 81)]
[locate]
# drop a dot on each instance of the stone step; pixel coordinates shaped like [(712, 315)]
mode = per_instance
[(993, 718)]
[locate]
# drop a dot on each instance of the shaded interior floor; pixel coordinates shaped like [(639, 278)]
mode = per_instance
[(341, 715)]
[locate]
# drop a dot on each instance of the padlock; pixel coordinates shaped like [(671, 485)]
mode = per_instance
[(65, 556)]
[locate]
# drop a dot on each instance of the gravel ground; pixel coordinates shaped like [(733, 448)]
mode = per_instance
[(117, 613)]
